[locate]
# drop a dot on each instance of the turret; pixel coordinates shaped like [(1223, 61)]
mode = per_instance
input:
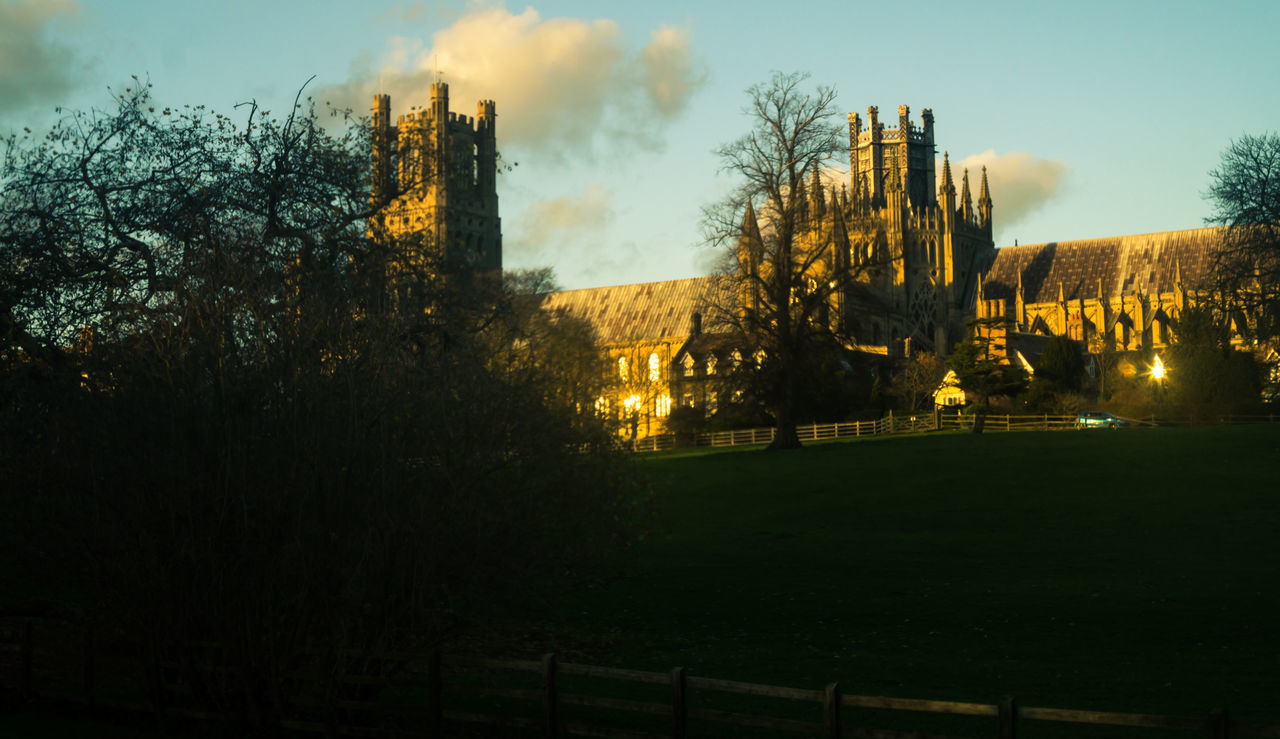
[(966, 200), (984, 203), (383, 177)]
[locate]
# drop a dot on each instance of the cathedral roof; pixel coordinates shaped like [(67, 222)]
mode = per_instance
[(1116, 265), (645, 311)]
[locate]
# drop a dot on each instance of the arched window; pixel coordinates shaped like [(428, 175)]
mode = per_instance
[(622, 368), (662, 406), (655, 368)]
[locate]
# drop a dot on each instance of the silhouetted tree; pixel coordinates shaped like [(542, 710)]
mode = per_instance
[(217, 425), (1205, 373), (779, 295), (982, 366), (916, 380), (1060, 371), (1244, 191)]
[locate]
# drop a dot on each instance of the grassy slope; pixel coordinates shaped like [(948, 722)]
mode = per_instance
[(1132, 570)]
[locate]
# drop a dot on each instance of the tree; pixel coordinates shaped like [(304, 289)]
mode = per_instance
[(1206, 374), (1060, 372), (782, 294), (1244, 191), (983, 368), (917, 378), (217, 425)]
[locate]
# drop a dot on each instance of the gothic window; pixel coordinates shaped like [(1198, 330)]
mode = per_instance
[(662, 406), (655, 369), (622, 369)]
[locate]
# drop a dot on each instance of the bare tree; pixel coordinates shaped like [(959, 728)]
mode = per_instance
[(787, 292), (1244, 190)]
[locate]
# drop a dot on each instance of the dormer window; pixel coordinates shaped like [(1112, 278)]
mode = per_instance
[(688, 364)]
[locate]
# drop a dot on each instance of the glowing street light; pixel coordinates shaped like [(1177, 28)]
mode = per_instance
[(1157, 370)]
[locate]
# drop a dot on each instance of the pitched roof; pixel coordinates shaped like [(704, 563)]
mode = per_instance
[(1122, 265), (640, 312)]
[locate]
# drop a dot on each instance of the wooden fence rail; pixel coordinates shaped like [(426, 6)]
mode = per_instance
[(920, 422), (556, 699)]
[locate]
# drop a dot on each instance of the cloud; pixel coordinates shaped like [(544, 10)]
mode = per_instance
[(553, 221), (1020, 184), (564, 87), (33, 69)]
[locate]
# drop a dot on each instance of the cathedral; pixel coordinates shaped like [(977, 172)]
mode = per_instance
[(936, 265)]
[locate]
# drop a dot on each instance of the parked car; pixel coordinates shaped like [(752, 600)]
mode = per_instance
[(1100, 420)]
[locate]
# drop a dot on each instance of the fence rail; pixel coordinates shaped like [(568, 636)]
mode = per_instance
[(548, 698), (920, 422)]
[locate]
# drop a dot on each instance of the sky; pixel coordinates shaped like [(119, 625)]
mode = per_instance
[(1094, 118)]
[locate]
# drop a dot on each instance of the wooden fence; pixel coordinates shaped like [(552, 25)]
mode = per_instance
[(920, 422), (433, 696)]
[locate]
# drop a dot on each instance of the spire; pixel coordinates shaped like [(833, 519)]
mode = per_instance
[(817, 204), (947, 186), (966, 200), (984, 201), (750, 229), (801, 201)]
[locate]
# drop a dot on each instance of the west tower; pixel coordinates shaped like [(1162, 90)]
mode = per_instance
[(434, 174)]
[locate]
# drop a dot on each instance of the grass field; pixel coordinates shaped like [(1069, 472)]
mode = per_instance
[(1130, 570)]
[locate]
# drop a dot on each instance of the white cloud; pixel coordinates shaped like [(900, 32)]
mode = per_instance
[(1020, 184), (564, 87), (33, 69), (551, 222)]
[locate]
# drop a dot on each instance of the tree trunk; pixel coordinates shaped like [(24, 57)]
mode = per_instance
[(784, 435)]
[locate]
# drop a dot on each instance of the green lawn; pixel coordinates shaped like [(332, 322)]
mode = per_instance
[(1131, 570)]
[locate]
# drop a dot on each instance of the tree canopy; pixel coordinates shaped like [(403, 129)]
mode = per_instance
[(1244, 192), (216, 424)]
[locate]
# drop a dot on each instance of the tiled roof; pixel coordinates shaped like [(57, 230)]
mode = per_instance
[(1123, 265), (641, 312)]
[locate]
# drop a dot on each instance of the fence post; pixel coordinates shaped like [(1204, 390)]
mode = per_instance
[(679, 709), (435, 710), (28, 657), (1217, 725), (550, 700), (831, 711), (1007, 718)]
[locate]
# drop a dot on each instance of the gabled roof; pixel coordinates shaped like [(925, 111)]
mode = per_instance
[(1122, 265), (645, 311)]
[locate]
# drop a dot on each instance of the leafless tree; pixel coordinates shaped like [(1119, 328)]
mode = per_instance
[(786, 292), (1244, 190)]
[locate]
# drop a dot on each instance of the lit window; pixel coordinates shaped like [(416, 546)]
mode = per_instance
[(711, 364), (662, 406), (688, 365), (687, 401), (655, 371), (713, 401), (622, 368)]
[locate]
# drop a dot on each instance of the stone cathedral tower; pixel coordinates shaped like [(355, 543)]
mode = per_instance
[(435, 174), (933, 241)]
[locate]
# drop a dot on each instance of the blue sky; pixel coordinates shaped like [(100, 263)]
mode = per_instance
[(1095, 118)]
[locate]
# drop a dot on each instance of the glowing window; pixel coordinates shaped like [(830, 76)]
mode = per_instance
[(711, 364), (655, 370), (713, 401), (662, 406), (622, 368), (688, 365)]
